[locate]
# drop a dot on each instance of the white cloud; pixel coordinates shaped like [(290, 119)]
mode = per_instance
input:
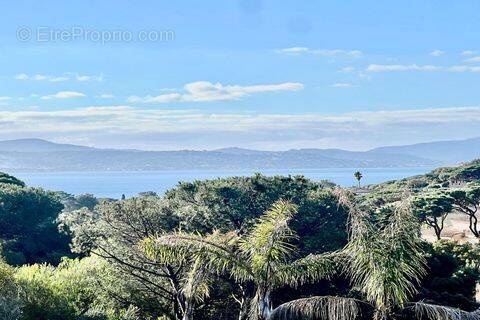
[(64, 77), (437, 53), (64, 95), (400, 67), (58, 79), (347, 70), (469, 53), (124, 126), (4, 100), (473, 59), (83, 78), (163, 98), (342, 85), (422, 68), (107, 96), (202, 91), (294, 50), (321, 52), (21, 76)]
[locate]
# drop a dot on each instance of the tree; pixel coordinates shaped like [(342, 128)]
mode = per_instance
[(28, 230), (8, 179), (234, 203), (358, 175), (114, 228), (112, 232), (466, 200), (387, 262), (453, 274), (433, 208), (260, 258), (75, 289)]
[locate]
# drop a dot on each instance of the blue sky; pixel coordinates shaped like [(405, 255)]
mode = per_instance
[(250, 73)]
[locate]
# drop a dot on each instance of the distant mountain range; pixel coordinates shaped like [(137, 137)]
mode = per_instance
[(36, 154)]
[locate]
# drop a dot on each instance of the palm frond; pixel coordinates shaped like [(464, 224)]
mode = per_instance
[(435, 312), (385, 253), (312, 268), (197, 282), (321, 308), (269, 240), (216, 251)]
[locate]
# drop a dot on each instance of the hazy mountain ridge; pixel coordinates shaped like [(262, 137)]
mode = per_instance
[(36, 154), (38, 145), (452, 152)]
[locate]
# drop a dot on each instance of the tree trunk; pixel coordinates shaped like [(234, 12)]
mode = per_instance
[(188, 313), (473, 225), (244, 309), (433, 223), (244, 301), (265, 306), (438, 233), (381, 314)]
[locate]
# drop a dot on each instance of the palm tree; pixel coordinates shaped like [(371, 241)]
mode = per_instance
[(196, 288), (386, 261), (358, 175), (262, 258)]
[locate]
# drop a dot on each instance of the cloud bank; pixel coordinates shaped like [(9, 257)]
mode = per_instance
[(64, 95), (321, 52), (204, 91), (64, 77), (424, 68), (155, 129)]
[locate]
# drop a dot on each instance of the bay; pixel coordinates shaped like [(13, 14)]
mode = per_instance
[(113, 184)]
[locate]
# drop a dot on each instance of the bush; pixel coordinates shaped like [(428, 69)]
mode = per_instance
[(28, 231), (453, 271), (10, 298)]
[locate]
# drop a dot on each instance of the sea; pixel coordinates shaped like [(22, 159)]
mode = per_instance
[(114, 184)]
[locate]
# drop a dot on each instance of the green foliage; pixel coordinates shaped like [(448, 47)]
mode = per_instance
[(234, 204), (112, 231), (385, 256), (358, 175), (10, 295), (74, 290), (263, 256), (8, 179), (72, 202), (467, 200), (432, 208), (232, 249), (453, 271), (434, 204), (28, 229), (113, 228), (440, 178)]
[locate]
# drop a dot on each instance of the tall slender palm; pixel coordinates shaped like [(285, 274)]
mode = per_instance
[(386, 261), (263, 259), (358, 175)]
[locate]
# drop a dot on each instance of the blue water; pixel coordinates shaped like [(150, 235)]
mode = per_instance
[(114, 184)]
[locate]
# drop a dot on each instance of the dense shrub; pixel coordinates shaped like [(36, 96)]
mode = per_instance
[(453, 271), (10, 295), (28, 228)]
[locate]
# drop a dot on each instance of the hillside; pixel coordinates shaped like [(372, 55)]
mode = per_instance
[(450, 152), (36, 154), (38, 145), (44, 155)]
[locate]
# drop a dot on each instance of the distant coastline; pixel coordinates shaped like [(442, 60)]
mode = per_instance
[(44, 156)]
